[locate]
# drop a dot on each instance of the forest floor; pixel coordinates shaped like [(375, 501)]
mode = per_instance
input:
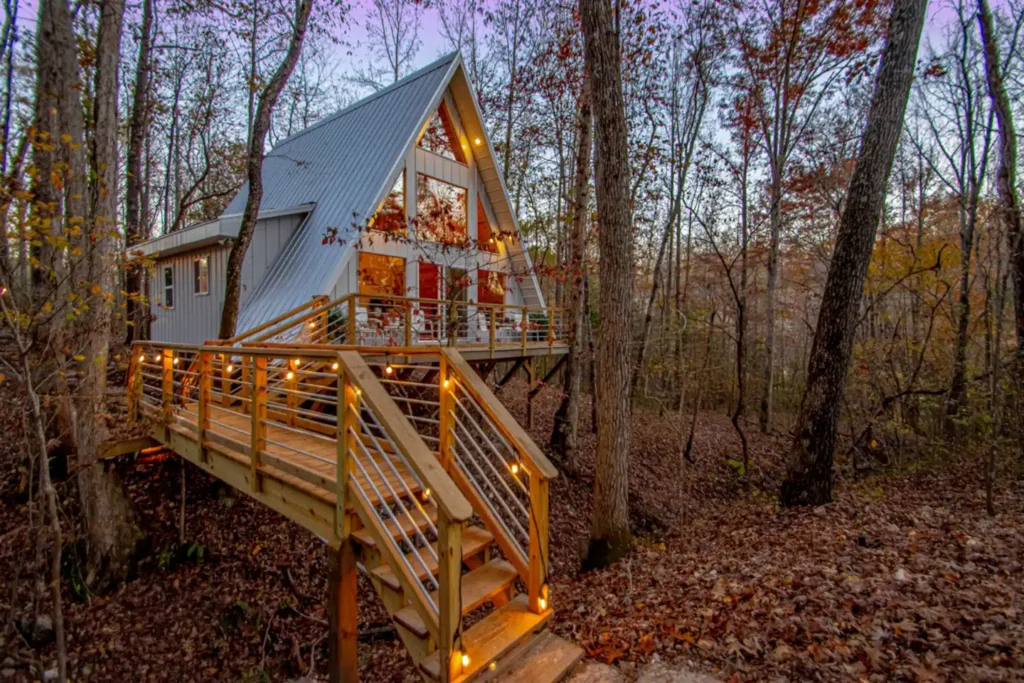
[(903, 577)]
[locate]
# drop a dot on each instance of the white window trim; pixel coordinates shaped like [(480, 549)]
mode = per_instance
[(195, 281), (165, 287)]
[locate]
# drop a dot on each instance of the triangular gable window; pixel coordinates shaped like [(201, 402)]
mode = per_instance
[(441, 137), (390, 216)]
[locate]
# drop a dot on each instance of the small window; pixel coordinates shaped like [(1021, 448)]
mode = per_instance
[(390, 216), (490, 287), (201, 275), (381, 276), (485, 240), (169, 287), (441, 210), (441, 137)]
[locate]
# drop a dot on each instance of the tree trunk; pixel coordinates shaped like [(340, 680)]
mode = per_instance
[(771, 292), (1006, 178), (135, 310), (111, 533), (565, 432), (610, 535), (254, 168), (809, 475)]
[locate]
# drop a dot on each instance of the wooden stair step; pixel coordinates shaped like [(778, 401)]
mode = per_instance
[(474, 540), (365, 538), (478, 586), (546, 658), (493, 636)]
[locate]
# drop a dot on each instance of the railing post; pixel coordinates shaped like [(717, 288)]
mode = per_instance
[(536, 582), (526, 324), (408, 324), (135, 386), (449, 576), (291, 385), (167, 385), (246, 389), (205, 384), (225, 384), (259, 420), (352, 340), (551, 326), (446, 405), (348, 411), (492, 324)]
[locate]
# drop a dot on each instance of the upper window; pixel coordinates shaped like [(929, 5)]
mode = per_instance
[(485, 240), (201, 275), (391, 214), (441, 136), (168, 287), (441, 210)]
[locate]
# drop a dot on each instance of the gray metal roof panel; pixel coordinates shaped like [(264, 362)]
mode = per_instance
[(342, 164)]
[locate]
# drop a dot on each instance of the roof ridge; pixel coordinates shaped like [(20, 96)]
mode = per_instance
[(438, 63)]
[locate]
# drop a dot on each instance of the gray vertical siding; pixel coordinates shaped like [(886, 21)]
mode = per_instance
[(196, 317)]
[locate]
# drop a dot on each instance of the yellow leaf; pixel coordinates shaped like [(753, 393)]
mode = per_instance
[(79, 358), (2, 377)]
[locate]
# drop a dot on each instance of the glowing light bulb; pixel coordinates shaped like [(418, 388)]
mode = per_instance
[(142, 358), (426, 493), (175, 361), (157, 357), (334, 366), (492, 666), (359, 392), (515, 468), (295, 361), (476, 141), (388, 369), (543, 603), (312, 323), (465, 660), (3, 290), (445, 383), (290, 375), (231, 367)]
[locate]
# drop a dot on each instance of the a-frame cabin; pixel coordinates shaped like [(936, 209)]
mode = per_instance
[(386, 280)]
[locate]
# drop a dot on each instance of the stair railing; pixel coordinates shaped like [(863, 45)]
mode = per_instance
[(499, 468), (374, 437)]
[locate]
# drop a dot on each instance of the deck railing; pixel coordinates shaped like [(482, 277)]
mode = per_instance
[(320, 416), (398, 321)]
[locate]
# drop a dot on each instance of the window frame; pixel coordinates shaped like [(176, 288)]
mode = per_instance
[(198, 276), (457, 148), (169, 269)]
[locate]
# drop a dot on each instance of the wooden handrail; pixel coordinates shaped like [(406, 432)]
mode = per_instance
[(446, 495), (270, 323), (532, 456)]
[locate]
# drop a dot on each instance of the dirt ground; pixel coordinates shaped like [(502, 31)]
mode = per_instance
[(904, 577)]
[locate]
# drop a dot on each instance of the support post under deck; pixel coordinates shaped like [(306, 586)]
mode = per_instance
[(342, 618), (528, 366)]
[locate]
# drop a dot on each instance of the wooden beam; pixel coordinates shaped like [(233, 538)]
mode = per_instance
[(512, 372), (259, 420), (113, 449), (551, 373), (528, 366), (342, 615), (449, 603)]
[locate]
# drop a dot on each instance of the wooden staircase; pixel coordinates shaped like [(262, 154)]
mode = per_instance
[(435, 491)]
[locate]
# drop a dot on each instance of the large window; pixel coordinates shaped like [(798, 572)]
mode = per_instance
[(381, 276), (441, 136), (441, 211), (485, 240), (201, 275), (168, 287), (490, 287), (391, 214)]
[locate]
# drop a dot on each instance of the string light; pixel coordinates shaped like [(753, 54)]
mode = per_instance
[(175, 361), (426, 493), (492, 666), (476, 141), (543, 603), (295, 361), (388, 370), (290, 375), (515, 468), (334, 366), (465, 660), (445, 383), (157, 357), (312, 323), (142, 358), (230, 367)]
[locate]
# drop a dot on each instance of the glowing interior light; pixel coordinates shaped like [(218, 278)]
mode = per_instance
[(230, 368), (334, 367), (388, 369), (465, 660), (290, 375), (515, 468)]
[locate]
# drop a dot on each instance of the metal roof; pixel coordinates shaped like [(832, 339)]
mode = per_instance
[(344, 164)]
